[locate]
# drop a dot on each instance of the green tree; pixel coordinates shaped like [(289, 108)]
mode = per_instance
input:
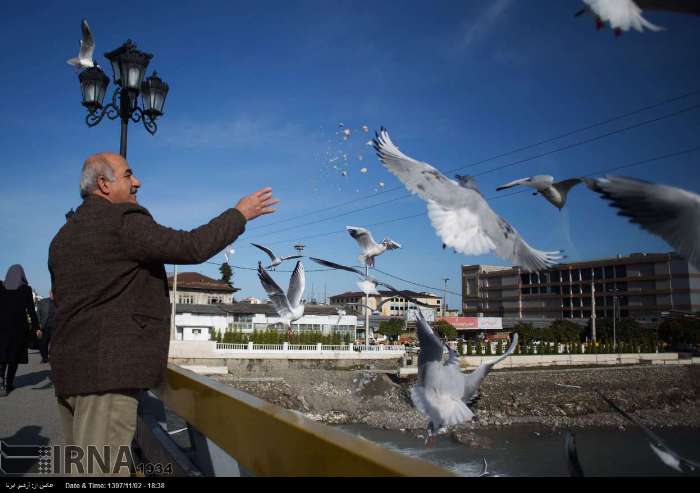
[(489, 352), (226, 273), (679, 331), (479, 348), (391, 328), (469, 348), (445, 329)]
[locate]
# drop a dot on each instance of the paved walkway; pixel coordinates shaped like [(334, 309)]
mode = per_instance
[(29, 416)]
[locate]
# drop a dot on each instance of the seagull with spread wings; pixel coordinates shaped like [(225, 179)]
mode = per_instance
[(288, 306), (669, 212), (275, 260), (459, 212), (87, 48), (555, 193), (370, 248), (442, 391)]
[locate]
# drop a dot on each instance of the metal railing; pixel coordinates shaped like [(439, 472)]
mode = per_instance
[(304, 347), (236, 432)]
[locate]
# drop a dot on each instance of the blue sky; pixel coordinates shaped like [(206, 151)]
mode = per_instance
[(258, 91)]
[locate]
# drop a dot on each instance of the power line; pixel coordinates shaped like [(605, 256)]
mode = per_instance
[(416, 283), (499, 196), (508, 165), (255, 268), (513, 151)]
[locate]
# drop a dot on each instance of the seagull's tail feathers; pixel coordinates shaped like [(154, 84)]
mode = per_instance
[(451, 411), (75, 62)]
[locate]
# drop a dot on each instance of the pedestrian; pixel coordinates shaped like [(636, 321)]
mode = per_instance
[(16, 312), (46, 310), (112, 303)]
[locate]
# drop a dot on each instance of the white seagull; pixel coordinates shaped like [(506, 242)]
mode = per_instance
[(227, 252), (459, 212), (442, 389), (368, 284), (87, 48), (274, 258), (288, 306), (555, 193), (669, 212), (370, 248), (622, 14)]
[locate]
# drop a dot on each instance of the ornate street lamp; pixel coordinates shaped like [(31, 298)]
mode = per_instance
[(129, 66)]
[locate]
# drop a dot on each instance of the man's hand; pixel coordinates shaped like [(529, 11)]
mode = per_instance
[(38, 334), (257, 204)]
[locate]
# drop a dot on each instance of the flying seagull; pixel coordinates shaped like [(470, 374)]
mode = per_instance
[(370, 248), (403, 294), (459, 212), (555, 193), (669, 212), (622, 15), (368, 284), (87, 48), (274, 258), (442, 389), (288, 306), (658, 446), (227, 252)]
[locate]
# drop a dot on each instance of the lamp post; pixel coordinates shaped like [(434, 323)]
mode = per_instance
[(129, 66)]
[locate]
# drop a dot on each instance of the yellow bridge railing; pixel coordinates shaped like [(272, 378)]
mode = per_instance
[(270, 441)]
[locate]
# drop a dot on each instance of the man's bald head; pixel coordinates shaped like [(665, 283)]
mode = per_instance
[(108, 175)]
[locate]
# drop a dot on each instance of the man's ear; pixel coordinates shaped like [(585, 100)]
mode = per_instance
[(103, 185)]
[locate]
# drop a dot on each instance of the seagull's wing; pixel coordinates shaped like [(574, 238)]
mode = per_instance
[(663, 451), (572, 461), (682, 6), (296, 285), (391, 244), (87, 44), (430, 344), (514, 183), (669, 212), (333, 265), (291, 257), (362, 236), (475, 230), (418, 177), (473, 381), (565, 185), (266, 250), (277, 297)]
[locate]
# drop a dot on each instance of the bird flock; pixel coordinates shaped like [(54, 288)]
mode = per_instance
[(464, 221)]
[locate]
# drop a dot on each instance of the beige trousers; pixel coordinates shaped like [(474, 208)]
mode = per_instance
[(101, 426)]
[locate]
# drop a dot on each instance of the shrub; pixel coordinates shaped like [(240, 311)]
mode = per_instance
[(499, 347)]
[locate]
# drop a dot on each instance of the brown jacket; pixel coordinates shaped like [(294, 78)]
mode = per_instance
[(111, 293)]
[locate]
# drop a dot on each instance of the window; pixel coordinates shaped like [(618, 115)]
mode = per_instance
[(609, 272), (598, 272), (525, 278), (213, 300), (186, 299), (525, 290), (196, 331), (620, 271), (621, 286), (586, 274), (543, 289), (556, 290)]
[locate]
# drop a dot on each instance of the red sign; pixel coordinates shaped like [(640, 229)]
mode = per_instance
[(462, 323)]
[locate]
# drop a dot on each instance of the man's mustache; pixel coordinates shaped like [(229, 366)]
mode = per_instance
[(133, 190)]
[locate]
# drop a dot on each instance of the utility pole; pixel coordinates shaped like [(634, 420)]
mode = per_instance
[(366, 311), (593, 305), (173, 329), (444, 296)]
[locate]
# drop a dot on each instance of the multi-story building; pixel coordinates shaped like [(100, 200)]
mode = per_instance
[(640, 286), (194, 288), (397, 306)]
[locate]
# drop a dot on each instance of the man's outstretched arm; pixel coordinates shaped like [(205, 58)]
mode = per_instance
[(147, 241)]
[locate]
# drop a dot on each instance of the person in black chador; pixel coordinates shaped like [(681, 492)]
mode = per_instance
[(46, 310), (16, 304)]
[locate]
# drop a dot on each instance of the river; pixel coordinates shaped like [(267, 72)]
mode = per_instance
[(538, 451)]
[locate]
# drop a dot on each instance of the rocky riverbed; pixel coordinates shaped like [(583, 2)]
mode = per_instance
[(658, 395)]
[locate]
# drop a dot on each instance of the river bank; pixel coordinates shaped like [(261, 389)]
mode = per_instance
[(661, 396)]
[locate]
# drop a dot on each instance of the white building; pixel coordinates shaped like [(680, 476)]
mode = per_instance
[(194, 288), (199, 322)]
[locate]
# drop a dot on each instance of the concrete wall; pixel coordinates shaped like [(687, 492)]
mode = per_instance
[(523, 361), (268, 366)]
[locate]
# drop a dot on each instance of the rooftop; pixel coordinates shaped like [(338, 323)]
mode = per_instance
[(248, 308), (200, 282), (386, 294)]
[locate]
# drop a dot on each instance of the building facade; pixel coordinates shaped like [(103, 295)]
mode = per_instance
[(396, 306), (199, 322), (194, 288), (639, 286)]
